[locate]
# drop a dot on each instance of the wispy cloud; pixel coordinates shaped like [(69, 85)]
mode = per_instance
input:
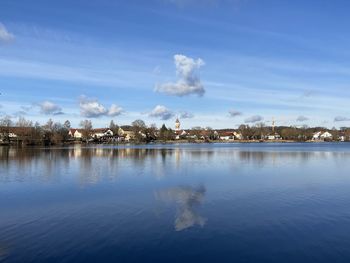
[(253, 119), (70, 73), (188, 80), (91, 108), (156, 70), (306, 94), (341, 118), (234, 113), (115, 110), (5, 35), (186, 115), (302, 118), (27, 108), (48, 107), (19, 113), (161, 112)]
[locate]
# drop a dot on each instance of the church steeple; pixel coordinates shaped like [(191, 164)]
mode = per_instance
[(177, 124)]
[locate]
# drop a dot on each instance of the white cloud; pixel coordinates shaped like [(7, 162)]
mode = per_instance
[(188, 80), (161, 112), (115, 110), (341, 118), (5, 36), (91, 108), (253, 119), (234, 113), (186, 115), (48, 107), (302, 118)]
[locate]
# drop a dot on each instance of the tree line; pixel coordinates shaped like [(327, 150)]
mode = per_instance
[(51, 132)]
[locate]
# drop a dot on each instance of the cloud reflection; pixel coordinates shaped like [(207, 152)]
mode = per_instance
[(187, 200)]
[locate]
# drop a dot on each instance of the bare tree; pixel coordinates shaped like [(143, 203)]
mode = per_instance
[(139, 129), (86, 126), (246, 131), (67, 125), (5, 125), (22, 122), (114, 127)]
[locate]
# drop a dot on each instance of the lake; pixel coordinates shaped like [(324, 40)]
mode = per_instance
[(176, 203)]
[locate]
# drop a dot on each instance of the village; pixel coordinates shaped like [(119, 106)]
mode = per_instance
[(25, 133), (126, 134)]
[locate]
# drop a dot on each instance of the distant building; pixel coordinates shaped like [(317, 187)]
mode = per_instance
[(326, 135), (95, 133), (100, 133), (322, 136), (75, 133), (274, 135), (238, 135), (125, 133), (316, 136), (177, 125), (180, 134), (226, 135)]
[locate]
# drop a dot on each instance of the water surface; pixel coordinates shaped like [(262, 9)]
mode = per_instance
[(176, 203)]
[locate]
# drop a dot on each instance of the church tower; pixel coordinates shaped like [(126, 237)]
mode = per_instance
[(177, 124)]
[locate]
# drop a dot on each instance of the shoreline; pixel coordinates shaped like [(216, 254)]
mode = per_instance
[(172, 143)]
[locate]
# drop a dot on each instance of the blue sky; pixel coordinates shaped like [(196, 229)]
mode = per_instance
[(212, 63)]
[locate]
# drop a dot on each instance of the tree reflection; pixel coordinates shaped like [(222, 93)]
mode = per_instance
[(187, 200), (93, 163)]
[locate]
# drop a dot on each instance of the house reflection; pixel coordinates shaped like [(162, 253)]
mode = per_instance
[(97, 162), (187, 200)]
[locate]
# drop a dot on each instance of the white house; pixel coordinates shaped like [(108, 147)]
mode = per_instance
[(99, 133), (316, 136), (226, 136), (321, 136), (179, 134), (75, 133), (238, 136), (10, 135), (274, 137), (326, 135), (95, 133)]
